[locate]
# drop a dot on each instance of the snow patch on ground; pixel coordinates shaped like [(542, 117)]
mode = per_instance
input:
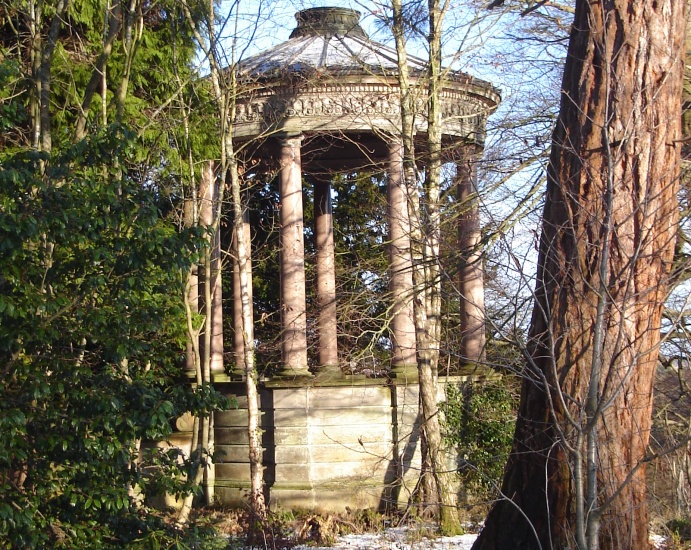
[(397, 539), (405, 539), (658, 541)]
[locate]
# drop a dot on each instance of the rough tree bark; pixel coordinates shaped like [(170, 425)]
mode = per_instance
[(576, 475)]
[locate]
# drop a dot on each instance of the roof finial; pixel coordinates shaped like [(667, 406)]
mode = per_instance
[(328, 22)]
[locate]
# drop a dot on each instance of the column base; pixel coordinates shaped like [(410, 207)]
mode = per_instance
[(293, 374), (236, 373), (222, 377), (470, 370), (406, 373), (329, 372)]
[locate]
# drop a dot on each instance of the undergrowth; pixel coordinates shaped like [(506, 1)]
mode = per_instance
[(284, 529)]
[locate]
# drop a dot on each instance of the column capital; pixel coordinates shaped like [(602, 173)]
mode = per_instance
[(289, 137), (462, 153), (391, 138)]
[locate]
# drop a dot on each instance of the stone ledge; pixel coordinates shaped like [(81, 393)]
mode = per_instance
[(316, 381)]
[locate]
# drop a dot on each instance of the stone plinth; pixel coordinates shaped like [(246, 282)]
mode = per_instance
[(327, 444), (232, 447), (332, 446)]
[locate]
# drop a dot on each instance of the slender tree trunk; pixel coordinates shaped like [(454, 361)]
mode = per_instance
[(443, 479), (423, 488), (239, 329), (253, 412), (224, 86), (193, 353), (191, 219), (41, 56), (425, 255), (605, 255), (132, 35), (197, 472), (433, 177), (209, 216), (244, 270), (34, 22), (98, 75), (46, 74)]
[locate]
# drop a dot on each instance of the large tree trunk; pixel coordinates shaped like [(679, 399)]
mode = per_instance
[(576, 473)]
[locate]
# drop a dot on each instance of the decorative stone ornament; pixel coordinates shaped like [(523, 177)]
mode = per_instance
[(328, 22)]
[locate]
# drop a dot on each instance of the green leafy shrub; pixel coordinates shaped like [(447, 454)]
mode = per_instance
[(92, 332), (680, 529), (479, 424)]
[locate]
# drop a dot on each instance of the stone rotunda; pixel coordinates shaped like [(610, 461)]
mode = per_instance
[(323, 103)]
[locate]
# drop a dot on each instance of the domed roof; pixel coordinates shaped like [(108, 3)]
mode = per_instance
[(327, 40), (329, 78)]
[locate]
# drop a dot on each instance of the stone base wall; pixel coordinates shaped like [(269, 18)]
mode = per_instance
[(331, 445), (327, 446), (231, 450)]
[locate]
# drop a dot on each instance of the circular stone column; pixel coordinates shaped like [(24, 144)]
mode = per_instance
[(293, 308), (326, 278)]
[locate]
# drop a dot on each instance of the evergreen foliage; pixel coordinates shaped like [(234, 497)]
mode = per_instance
[(93, 263), (91, 332), (479, 424)]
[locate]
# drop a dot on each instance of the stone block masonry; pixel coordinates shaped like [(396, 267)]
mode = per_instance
[(327, 446)]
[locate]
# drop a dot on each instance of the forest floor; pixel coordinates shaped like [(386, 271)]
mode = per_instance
[(315, 532), (351, 531), (401, 538)]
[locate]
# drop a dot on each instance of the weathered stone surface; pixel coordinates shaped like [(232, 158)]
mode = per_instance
[(231, 453), (361, 416), (407, 399), (324, 435), (368, 469), (332, 397), (231, 436), (307, 454), (235, 472), (361, 102), (326, 447), (185, 422), (231, 418), (231, 495), (239, 401), (326, 499)]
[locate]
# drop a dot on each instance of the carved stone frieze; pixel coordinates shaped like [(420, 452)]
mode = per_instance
[(334, 107), (314, 104)]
